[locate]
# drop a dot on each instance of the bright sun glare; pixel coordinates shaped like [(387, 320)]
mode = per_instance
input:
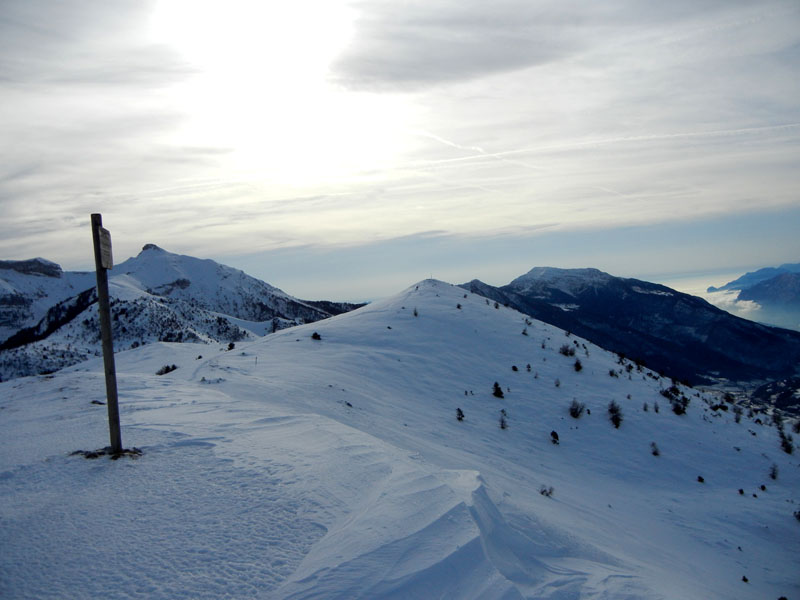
[(262, 89)]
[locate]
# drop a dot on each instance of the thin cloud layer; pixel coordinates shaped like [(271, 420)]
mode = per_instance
[(238, 135), (414, 44), (411, 45)]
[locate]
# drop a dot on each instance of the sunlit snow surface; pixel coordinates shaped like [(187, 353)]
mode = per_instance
[(335, 468)]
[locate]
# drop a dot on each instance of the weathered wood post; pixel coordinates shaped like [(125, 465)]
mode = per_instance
[(103, 261)]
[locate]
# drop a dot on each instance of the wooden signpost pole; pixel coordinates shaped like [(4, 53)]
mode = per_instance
[(103, 261)]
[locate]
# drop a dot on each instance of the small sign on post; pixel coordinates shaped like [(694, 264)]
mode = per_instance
[(106, 260), (103, 261)]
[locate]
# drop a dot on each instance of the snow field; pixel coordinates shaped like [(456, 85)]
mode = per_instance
[(335, 468)]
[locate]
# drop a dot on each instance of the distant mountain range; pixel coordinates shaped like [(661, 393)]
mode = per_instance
[(48, 317), (753, 278), (770, 295), (680, 335)]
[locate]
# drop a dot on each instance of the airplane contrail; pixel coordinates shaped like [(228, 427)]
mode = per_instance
[(600, 142)]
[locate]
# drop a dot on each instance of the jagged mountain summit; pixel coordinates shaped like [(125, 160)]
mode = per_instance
[(51, 321), (330, 461), (676, 333)]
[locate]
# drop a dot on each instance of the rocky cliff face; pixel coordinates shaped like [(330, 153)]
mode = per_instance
[(29, 288)]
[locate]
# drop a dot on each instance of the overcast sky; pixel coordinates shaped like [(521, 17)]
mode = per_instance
[(345, 150)]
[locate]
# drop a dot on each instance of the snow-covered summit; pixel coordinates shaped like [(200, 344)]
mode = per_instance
[(569, 281), (335, 466), (207, 284)]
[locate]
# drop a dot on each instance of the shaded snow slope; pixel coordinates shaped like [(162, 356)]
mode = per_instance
[(294, 467)]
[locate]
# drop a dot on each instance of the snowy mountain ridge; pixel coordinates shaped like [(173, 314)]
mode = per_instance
[(156, 296), (335, 466), (210, 285)]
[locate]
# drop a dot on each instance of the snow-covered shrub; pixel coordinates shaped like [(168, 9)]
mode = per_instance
[(615, 413), (679, 405), (567, 350), (166, 369), (316, 336), (576, 409), (548, 491), (578, 365)]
